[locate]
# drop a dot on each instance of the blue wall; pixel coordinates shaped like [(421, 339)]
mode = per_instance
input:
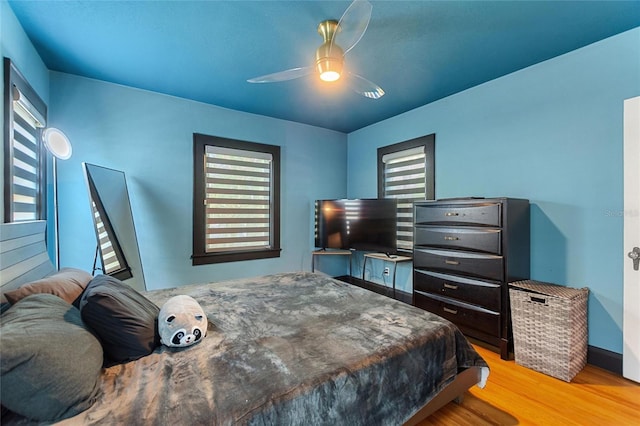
[(149, 136), (551, 133), (15, 44)]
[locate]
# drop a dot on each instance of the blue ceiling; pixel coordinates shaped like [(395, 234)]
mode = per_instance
[(417, 51)]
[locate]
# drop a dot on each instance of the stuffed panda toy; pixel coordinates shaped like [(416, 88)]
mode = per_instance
[(181, 322)]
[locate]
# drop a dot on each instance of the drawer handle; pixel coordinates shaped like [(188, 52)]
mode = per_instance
[(450, 286), (450, 311), (448, 214), (449, 238), (451, 262)]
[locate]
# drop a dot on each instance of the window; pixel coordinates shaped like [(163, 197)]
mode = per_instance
[(236, 210), (24, 169), (406, 171)]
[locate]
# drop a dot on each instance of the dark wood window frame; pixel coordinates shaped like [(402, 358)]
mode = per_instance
[(200, 255), (428, 144), (14, 81)]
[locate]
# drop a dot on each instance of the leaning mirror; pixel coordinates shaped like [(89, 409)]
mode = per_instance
[(117, 245)]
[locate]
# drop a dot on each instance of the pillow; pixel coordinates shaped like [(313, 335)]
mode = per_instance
[(50, 363), (123, 319), (67, 283)]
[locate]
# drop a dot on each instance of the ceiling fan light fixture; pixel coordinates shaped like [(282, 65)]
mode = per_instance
[(329, 76), (329, 69)]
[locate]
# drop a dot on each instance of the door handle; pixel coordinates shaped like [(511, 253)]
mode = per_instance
[(635, 256)]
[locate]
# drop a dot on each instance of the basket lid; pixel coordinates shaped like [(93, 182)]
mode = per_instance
[(549, 289)]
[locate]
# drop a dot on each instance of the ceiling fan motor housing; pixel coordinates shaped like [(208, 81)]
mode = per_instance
[(329, 56)]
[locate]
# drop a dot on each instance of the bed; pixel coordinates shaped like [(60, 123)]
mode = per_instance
[(290, 348)]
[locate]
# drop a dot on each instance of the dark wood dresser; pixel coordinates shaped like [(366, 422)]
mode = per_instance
[(466, 252)]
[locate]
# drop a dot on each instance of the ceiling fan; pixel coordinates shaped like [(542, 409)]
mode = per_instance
[(339, 38)]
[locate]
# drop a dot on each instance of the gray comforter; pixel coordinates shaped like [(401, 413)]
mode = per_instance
[(288, 349)]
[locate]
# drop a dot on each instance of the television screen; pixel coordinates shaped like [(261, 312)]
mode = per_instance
[(367, 224)]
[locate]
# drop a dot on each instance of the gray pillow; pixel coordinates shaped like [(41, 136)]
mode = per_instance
[(50, 363), (124, 320)]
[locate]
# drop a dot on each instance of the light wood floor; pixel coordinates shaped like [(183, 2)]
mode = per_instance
[(516, 395)]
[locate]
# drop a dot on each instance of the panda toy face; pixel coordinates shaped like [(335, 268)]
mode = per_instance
[(181, 322)]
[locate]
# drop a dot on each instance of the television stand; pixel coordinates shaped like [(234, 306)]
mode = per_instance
[(325, 252), (361, 282), (387, 258)]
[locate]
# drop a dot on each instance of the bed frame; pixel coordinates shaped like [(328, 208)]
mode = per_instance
[(23, 251), (454, 391), (25, 259)]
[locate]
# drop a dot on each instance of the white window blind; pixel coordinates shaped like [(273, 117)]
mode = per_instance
[(238, 199), (405, 179), (25, 162)]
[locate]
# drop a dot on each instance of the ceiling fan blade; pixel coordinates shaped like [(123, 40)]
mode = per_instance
[(365, 87), (283, 75), (352, 25)]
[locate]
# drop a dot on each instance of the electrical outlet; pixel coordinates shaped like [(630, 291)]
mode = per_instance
[(386, 271)]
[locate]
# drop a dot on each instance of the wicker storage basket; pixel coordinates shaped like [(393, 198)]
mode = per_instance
[(549, 327)]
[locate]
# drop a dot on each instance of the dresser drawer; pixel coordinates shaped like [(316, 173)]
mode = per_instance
[(476, 292), (484, 214), (477, 239), (459, 313), (474, 264)]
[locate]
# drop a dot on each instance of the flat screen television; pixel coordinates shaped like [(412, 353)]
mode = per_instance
[(365, 224)]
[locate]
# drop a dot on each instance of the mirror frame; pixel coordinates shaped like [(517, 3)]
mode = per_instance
[(116, 216)]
